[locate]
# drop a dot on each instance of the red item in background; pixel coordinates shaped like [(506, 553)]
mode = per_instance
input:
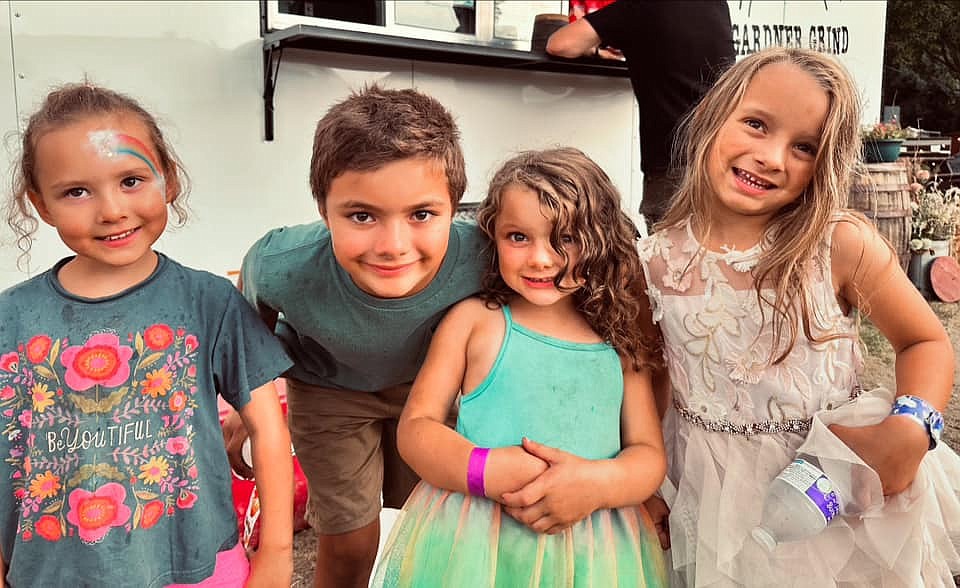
[(578, 8), (246, 502)]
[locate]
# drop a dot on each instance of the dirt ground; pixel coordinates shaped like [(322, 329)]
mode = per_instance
[(878, 370)]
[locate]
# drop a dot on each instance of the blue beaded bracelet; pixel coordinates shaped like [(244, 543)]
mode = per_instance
[(923, 413)]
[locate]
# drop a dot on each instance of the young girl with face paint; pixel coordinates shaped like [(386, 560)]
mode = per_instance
[(756, 277), (114, 471)]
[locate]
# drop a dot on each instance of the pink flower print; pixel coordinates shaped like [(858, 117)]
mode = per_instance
[(38, 347), (26, 418), (192, 371), (10, 362), (158, 337), (186, 499), (192, 472), (178, 445), (94, 513), (178, 400), (190, 343), (7, 393), (100, 361), (152, 511), (48, 527)]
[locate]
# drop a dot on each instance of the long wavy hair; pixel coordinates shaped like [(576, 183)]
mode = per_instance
[(581, 201), (796, 231)]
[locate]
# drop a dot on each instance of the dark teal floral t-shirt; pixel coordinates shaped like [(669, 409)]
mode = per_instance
[(114, 471)]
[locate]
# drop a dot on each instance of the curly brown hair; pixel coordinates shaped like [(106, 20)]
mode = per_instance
[(583, 203), (376, 126), (69, 104)]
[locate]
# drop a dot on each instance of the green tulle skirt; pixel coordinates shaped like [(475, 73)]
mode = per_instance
[(444, 538)]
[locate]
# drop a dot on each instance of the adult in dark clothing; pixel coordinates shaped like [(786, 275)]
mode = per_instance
[(674, 52)]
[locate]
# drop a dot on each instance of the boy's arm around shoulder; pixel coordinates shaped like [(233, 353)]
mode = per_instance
[(867, 276), (436, 452), (273, 468)]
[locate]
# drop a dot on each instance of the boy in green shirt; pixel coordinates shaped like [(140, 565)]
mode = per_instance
[(355, 300)]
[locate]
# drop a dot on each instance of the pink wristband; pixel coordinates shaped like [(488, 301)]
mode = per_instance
[(475, 467)]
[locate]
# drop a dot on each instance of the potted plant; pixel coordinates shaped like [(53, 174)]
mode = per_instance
[(882, 141), (936, 215)]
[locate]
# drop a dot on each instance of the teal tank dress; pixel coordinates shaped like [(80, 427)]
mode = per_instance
[(563, 394)]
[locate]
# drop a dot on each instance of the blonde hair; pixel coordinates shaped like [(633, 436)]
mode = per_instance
[(795, 232), (583, 203)]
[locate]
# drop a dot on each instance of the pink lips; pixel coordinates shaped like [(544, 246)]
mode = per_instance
[(748, 187), (131, 235), (389, 270), (543, 283)]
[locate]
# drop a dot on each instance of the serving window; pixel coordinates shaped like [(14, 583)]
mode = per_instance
[(494, 23)]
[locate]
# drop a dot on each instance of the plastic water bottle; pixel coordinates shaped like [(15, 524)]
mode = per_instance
[(799, 503)]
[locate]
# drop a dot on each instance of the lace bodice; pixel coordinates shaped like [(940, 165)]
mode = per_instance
[(717, 344)]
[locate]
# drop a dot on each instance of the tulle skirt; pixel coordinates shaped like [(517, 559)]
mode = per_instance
[(444, 538), (911, 539)]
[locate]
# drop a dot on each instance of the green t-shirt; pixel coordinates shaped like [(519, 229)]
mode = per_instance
[(338, 335), (114, 471)]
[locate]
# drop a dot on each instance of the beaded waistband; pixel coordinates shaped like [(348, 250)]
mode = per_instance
[(750, 429), (746, 430)]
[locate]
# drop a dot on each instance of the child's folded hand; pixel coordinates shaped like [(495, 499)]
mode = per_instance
[(563, 495), (894, 448), (510, 469)]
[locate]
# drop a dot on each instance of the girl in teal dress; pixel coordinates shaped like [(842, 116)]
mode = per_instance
[(557, 444)]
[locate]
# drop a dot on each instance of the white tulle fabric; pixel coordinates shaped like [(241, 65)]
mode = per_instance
[(717, 348)]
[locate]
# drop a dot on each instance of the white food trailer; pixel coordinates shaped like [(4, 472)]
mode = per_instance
[(241, 114)]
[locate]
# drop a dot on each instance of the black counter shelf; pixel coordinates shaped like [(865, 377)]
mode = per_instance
[(376, 45)]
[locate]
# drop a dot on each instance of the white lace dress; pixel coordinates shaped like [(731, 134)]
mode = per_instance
[(737, 420)]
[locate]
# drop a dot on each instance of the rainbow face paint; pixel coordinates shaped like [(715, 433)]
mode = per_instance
[(109, 143)]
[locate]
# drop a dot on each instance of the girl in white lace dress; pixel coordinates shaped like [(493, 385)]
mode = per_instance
[(754, 277)]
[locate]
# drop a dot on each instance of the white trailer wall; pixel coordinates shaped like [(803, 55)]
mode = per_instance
[(197, 65)]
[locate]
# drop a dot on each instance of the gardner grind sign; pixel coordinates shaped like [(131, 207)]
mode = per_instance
[(945, 278)]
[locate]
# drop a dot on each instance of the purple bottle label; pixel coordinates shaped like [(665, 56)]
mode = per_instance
[(822, 494), (815, 485)]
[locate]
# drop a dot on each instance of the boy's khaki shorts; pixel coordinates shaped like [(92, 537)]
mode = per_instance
[(346, 442)]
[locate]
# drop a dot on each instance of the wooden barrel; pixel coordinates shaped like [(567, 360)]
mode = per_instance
[(882, 194)]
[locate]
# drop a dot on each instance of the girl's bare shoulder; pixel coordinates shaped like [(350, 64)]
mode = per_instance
[(473, 312)]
